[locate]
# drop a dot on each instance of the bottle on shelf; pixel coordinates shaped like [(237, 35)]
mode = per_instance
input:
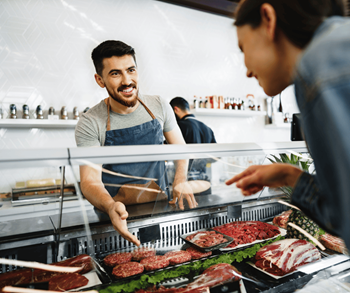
[(39, 112), (195, 102), (200, 103), (75, 113), (221, 102), (64, 114), (13, 111), (0, 113), (25, 114)]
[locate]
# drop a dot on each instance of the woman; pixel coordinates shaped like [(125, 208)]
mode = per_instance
[(305, 43)]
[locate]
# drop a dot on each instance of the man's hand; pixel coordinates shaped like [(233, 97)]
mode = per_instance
[(181, 190), (254, 178), (118, 215)]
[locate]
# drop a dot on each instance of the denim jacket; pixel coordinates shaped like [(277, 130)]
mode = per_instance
[(322, 89)]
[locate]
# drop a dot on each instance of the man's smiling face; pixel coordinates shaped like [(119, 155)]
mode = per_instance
[(120, 77)]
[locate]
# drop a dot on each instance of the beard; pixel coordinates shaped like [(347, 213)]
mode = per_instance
[(130, 102)]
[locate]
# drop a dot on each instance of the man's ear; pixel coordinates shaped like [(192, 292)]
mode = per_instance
[(269, 20), (99, 80)]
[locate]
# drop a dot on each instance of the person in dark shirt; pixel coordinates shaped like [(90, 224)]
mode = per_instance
[(193, 130)]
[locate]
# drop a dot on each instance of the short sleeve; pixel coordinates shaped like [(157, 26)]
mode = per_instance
[(169, 116), (86, 134)]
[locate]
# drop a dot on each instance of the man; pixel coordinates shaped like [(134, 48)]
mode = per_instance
[(125, 118), (193, 131)]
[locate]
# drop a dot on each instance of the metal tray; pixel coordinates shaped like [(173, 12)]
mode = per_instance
[(211, 248)]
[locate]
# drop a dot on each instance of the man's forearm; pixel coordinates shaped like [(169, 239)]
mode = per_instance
[(97, 195), (181, 169)]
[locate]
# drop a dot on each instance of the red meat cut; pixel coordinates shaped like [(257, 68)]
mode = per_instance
[(142, 253), (155, 262), (197, 254), (206, 238), (114, 259), (177, 257), (334, 243), (127, 269), (24, 276), (282, 219), (244, 232), (67, 282), (285, 256)]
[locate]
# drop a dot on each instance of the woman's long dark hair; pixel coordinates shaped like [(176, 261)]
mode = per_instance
[(298, 19)]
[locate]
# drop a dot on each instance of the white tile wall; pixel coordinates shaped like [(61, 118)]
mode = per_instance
[(45, 49)]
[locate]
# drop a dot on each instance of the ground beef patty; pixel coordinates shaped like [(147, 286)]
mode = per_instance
[(197, 254), (155, 262), (127, 269), (114, 259), (142, 253), (176, 257)]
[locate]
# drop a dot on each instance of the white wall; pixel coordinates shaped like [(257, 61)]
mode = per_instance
[(45, 49)]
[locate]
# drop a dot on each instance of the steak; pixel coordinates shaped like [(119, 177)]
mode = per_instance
[(244, 232), (155, 262), (114, 259), (142, 253), (206, 238), (127, 269), (282, 219), (177, 257), (24, 276), (197, 254), (67, 282), (334, 243), (285, 256)]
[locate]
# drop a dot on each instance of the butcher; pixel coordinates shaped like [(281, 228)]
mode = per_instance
[(126, 117)]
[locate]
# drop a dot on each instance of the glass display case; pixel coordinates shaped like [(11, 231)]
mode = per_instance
[(46, 217)]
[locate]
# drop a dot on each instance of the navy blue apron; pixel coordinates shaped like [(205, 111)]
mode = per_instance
[(148, 133)]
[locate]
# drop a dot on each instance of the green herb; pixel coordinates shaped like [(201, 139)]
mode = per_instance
[(198, 266)]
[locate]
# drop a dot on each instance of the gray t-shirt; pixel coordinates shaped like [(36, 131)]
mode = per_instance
[(92, 125)]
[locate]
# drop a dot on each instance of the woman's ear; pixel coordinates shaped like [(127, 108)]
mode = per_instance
[(269, 20), (99, 80)]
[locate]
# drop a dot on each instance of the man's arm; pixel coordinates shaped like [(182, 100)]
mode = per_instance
[(180, 188), (93, 189)]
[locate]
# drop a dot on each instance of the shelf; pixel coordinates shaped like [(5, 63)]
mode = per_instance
[(36, 123), (227, 113), (279, 126)]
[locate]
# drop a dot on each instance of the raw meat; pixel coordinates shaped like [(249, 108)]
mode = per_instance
[(24, 276), (334, 243), (197, 254), (67, 282), (285, 256), (206, 238), (114, 259), (177, 257), (215, 275), (155, 262), (142, 253), (244, 232), (282, 219), (127, 269)]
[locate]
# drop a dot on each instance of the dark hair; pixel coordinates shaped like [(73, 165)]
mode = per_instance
[(298, 19), (180, 103), (108, 49)]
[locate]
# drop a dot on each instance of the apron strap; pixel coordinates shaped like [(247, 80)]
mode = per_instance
[(109, 106)]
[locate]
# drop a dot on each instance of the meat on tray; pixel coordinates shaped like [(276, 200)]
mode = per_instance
[(282, 219), (285, 256), (334, 243), (206, 238), (67, 282), (197, 254), (127, 269), (177, 257), (244, 232), (114, 259), (155, 262), (141, 253), (215, 275), (24, 276)]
